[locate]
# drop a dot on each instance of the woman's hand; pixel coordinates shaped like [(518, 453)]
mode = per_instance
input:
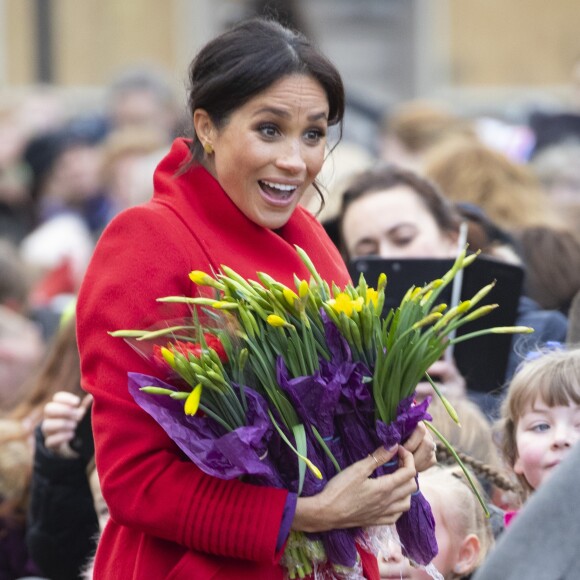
[(60, 419), (352, 499), (422, 445)]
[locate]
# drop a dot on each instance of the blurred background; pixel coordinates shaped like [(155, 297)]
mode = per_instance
[(480, 97), (482, 56)]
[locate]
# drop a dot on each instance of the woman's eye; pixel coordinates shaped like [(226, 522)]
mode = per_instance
[(268, 130), (314, 135), (540, 427), (366, 249), (402, 241)]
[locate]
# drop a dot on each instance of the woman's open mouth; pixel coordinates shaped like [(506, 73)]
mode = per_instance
[(277, 193)]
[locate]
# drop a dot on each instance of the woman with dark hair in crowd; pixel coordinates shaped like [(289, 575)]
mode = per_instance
[(393, 212), (262, 99)]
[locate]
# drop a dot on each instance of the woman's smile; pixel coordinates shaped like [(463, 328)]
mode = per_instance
[(277, 193), (270, 149)]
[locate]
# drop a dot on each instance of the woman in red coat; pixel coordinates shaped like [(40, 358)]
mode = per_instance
[(262, 99)]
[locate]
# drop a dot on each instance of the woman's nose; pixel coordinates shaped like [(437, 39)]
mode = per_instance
[(291, 159)]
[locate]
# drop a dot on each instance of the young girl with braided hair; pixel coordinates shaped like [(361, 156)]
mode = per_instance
[(463, 531), (473, 441)]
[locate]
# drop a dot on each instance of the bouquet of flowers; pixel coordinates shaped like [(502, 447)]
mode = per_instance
[(288, 386)]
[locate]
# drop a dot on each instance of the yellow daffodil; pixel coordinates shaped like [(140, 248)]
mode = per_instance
[(277, 321), (168, 356), (382, 282), (289, 296), (224, 305), (192, 401), (202, 279), (372, 297), (344, 303), (303, 289)]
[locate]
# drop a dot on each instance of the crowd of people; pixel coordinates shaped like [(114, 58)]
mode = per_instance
[(89, 238)]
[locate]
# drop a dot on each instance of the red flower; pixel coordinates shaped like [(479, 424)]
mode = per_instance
[(194, 348)]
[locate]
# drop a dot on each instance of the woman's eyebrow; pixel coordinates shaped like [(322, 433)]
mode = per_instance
[(286, 115)]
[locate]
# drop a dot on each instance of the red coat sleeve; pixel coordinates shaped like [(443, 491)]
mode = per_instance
[(147, 483)]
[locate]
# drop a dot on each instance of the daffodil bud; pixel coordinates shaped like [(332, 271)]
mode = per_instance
[(289, 296), (179, 395), (276, 321), (439, 308), (470, 259), (202, 279), (482, 293), (511, 330), (243, 358), (224, 305), (168, 356), (317, 473), (429, 319), (157, 391), (382, 282), (479, 312), (192, 401)]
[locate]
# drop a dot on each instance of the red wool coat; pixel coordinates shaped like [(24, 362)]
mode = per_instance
[(168, 518)]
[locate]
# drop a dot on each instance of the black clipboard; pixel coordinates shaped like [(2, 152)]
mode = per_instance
[(482, 360)]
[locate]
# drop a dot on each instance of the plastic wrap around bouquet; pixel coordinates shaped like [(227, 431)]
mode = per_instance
[(286, 387)]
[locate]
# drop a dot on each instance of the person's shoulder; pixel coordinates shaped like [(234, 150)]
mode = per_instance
[(143, 223), (543, 321)]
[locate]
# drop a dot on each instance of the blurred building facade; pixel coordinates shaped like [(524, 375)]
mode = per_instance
[(387, 50)]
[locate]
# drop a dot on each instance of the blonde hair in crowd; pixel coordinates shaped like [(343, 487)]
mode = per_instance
[(509, 193), (552, 376), (462, 513)]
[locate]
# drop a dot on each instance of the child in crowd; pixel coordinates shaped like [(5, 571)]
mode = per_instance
[(541, 416), (462, 529), (474, 443)]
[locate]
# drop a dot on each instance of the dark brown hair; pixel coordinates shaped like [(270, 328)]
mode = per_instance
[(384, 177), (248, 59)]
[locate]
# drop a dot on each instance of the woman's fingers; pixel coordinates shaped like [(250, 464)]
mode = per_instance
[(50, 426), (86, 402), (422, 445), (379, 457), (56, 439), (354, 499), (67, 398)]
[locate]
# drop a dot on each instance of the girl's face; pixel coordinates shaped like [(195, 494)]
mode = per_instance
[(270, 149), (393, 565), (394, 223), (544, 435)]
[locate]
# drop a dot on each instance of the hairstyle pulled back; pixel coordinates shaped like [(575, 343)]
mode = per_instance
[(384, 177), (248, 59)]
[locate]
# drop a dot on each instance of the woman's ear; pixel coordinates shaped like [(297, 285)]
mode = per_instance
[(204, 127), (467, 556)]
